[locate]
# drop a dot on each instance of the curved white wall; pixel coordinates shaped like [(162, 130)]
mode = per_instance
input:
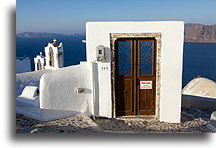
[(202, 87), (58, 89), (28, 79)]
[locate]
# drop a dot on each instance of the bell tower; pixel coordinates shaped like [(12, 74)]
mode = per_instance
[(39, 62), (54, 55)]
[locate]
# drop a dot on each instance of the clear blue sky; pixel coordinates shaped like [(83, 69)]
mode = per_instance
[(70, 16)]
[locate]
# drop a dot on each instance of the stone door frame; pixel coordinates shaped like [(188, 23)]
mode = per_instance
[(158, 38)]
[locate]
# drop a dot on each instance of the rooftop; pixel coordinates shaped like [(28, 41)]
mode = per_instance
[(202, 87)]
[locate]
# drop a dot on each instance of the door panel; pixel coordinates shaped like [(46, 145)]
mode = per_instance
[(135, 62), (146, 72), (125, 96), (146, 101), (125, 77)]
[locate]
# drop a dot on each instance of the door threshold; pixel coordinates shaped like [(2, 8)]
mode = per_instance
[(146, 117)]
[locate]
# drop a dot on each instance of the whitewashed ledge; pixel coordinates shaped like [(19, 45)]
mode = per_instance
[(28, 79), (51, 85), (30, 106)]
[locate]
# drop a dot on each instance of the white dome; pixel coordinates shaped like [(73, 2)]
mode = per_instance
[(202, 87)]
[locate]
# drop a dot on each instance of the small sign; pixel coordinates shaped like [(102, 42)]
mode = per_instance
[(145, 84), (104, 68)]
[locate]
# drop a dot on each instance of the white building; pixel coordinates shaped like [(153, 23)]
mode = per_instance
[(132, 68), (39, 62), (54, 57)]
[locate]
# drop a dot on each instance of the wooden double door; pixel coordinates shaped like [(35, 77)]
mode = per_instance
[(135, 76)]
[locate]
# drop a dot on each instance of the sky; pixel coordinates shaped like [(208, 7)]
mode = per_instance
[(70, 16)]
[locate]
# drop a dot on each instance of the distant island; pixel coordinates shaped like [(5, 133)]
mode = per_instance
[(193, 33), (199, 33), (44, 34)]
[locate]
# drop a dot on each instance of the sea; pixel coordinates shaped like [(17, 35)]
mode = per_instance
[(199, 59)]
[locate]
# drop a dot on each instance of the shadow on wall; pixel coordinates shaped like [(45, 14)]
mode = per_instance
[(108, 54), (95, 87)]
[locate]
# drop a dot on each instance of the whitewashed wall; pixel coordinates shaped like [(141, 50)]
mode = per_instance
[(28, 79), (58, 60), (101, 89), (98, 33), (58, 89)]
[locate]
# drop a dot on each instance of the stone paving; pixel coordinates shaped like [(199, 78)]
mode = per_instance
[(192, 121), (80, 124)]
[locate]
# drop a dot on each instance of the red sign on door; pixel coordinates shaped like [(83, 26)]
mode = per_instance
[(145, 84)]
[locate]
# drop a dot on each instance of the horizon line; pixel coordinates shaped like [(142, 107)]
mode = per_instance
[(94, 21)]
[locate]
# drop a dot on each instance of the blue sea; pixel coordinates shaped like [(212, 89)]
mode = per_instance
[(74, 49), (199, 58)]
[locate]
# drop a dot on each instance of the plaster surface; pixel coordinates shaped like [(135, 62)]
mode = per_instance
[(35, 112), (54, 53), (58, 89), (30, 105), (28, 79), (39, 62), (200, 93), (202, 87)]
